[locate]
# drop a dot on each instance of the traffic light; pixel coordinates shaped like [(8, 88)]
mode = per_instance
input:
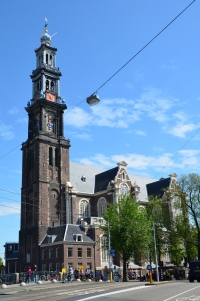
[(185, 261)]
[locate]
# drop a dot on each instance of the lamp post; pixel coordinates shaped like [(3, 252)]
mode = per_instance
[(155, 251), (110, 273)]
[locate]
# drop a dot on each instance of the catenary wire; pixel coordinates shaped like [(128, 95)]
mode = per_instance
[(125, 66), (134, 55), (122, 66)]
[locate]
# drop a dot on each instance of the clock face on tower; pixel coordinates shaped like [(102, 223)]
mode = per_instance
[(50, 97)]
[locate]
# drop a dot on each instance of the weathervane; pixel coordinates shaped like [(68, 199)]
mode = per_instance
[(46, 24)]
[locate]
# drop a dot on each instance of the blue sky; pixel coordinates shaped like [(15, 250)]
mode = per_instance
[(149, 112)]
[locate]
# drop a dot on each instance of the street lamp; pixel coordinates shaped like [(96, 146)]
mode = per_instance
[(155, 251), (110, 273), (93, 99)]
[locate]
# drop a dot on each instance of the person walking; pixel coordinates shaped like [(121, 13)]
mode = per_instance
[(28, 274), (35, 273), (70, 273)]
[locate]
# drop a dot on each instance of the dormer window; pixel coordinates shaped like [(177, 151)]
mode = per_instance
[(83, 178), (78, 237), (49, 239)]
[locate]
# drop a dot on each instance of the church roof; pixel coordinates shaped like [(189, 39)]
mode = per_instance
[(96, 179), (102, 179), (157, 188), (78, 171)]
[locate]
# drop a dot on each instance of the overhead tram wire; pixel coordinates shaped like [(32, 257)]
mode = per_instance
[(134, 55), (120, 70), (124, 64)]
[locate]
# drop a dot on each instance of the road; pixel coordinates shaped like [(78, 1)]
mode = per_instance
[(134, 291)]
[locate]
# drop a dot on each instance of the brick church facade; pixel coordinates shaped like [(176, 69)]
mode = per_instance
[(62, 202)]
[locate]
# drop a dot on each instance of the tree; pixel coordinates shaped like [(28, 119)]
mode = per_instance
[(159, 214), (188, 201), (128, 228), (1, 264)]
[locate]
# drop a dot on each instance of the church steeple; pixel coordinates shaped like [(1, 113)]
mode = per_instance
[(46, 105), (45, 167)]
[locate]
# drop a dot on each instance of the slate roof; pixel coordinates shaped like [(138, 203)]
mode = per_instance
[(95, 180), (67, 233), (89, 172), (58, 231), (156, 188), (102, 179), (76, 229)]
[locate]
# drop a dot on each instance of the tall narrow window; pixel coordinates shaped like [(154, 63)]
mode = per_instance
[(47, 85), (52, 85), (123, 189), (50, 156), (47, 58), (79, 252), (56, 158), (102, 206), (84, 208)]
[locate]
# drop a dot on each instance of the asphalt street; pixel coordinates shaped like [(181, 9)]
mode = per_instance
[(101, 291)]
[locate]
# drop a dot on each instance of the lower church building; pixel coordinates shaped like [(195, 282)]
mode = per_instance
[(62, 202)]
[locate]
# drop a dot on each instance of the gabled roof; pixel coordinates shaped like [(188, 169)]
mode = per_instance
[(76, 229), (102, 179), (67, 233), (97, 179), (58, 232), (157, 188), (77, 171)]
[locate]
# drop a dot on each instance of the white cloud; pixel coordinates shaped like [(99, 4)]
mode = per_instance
[(182, 126), (80, 135), (141, 163), (77, 117), (98, 160), (122, 113), (6, 132), (172, 65), (22, 120), (9, 208), (137, 132), (13, 111)]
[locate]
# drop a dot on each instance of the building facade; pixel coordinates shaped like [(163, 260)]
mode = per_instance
[(62, 202)]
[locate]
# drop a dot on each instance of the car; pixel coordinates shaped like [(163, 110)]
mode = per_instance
[(194, 271)]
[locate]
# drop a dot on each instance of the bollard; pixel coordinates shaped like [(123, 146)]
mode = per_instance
[(150, 277)]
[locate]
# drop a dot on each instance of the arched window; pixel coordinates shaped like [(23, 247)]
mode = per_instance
[(101, 206), (84, 208), (123, 189)]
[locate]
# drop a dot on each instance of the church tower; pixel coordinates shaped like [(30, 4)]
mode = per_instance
[(45, 156)]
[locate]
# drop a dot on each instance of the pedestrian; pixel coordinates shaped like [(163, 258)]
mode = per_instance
[(87, 274), (35, 273), (28, 274)]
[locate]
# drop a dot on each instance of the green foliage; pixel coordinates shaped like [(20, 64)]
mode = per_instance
[(159, 214), (1, 263), (129, 228)]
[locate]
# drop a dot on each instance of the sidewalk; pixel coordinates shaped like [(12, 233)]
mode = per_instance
[(16, 288)]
